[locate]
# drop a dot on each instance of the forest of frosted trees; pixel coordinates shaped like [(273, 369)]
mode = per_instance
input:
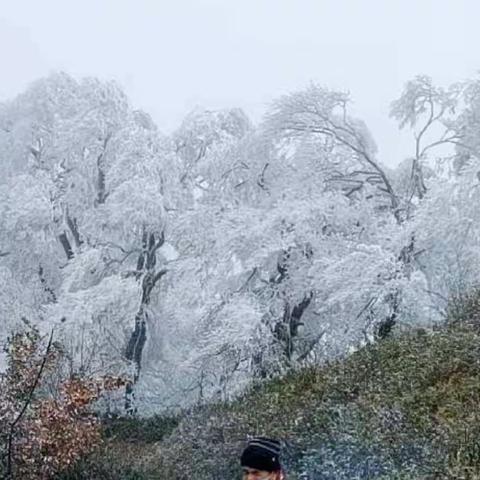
[(195, 263)]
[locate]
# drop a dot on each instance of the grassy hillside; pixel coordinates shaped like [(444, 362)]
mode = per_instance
[(407, 407)]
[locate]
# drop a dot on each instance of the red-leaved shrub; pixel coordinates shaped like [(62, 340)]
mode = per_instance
[(47, 422)]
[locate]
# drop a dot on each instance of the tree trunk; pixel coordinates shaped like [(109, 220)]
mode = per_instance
[(101, 175), (145, 268), (72, 225), (67, 247)]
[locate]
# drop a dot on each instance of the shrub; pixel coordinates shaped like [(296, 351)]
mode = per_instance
[(140, 430), (129, 450), (47, 423)]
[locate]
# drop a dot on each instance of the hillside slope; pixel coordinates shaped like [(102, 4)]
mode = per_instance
[(404, 408)]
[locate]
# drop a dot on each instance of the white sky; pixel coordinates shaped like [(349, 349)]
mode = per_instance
[(172, 55)]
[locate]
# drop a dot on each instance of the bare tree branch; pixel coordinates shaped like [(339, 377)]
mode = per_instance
[(18, 418)]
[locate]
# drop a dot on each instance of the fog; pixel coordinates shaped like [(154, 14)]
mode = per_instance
[(173, 56)]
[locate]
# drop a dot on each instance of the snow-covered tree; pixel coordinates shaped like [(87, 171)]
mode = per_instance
[(83, 211), (265, 261), (226, 252), (430, 112)]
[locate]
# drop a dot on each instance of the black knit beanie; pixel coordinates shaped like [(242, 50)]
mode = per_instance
[(262, 453)]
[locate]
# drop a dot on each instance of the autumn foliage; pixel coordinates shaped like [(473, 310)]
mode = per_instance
[(47, 422)]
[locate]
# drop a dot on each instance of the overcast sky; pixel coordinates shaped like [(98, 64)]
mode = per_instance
[(171, 55)]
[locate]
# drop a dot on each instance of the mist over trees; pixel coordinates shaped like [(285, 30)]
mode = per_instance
[(195, 263)]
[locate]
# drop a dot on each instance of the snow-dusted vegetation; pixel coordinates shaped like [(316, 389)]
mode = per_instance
[(197, 262), (194, 266)]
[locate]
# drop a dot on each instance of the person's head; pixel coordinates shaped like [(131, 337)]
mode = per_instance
[(261, 460)]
